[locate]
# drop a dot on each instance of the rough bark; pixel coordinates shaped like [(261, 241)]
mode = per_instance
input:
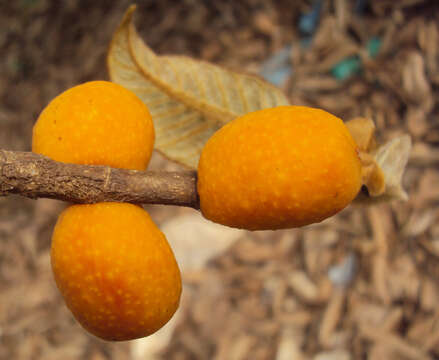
[(36, 176)]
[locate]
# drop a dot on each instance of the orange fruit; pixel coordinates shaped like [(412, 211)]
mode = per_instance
[(277, 168), (115, 270), (96, 123)]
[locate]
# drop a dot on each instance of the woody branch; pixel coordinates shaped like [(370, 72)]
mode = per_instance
[(36, 176)]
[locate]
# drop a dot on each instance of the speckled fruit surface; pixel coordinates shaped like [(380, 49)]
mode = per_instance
[(115, 270), (96, 123), (278, 168)]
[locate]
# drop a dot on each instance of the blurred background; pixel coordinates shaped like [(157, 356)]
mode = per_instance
[(361, 285)]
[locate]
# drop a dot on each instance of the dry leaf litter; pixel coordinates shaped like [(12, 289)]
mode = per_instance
[(361, 285)]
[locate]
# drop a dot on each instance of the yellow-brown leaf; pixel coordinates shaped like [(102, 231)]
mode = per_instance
[(188, 99)]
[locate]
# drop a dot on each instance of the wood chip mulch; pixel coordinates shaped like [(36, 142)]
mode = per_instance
[(361, 285)]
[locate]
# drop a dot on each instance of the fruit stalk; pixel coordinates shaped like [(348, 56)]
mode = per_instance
[(36, 176)]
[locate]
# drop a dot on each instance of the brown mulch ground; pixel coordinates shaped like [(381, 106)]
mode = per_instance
[(361, 285)]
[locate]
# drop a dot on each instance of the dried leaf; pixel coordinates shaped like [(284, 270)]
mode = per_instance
[(189, 100), (372, 175), (363, 132), (392, 158), (382, 165), (191, 238)]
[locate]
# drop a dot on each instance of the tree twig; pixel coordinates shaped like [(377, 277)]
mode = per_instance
[(36, 176)]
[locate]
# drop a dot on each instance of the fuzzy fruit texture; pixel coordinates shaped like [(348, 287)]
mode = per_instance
[(115, 270), (96, 123), (277, 168)]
